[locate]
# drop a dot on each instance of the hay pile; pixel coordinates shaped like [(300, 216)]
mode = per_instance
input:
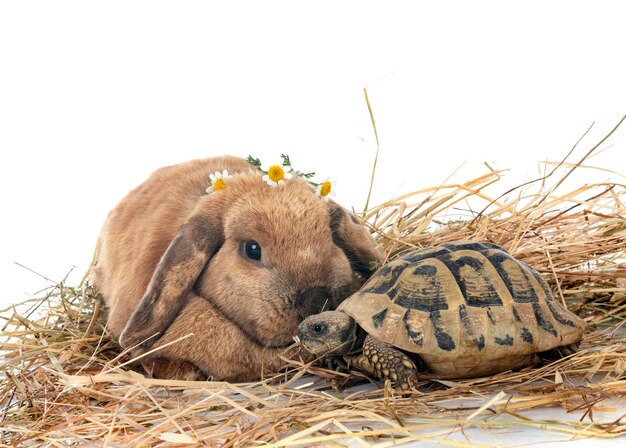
[(65, 382)]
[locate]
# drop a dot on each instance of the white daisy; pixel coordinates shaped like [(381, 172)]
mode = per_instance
[(326, 190), (276, 176), (218, 181)]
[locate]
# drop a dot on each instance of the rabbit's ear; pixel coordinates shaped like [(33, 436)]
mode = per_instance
[(351, 235), (180, 266)]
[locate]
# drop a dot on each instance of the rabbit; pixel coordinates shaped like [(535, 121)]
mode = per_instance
[(234, 270)]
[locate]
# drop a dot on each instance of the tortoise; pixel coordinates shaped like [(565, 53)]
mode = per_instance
[(458, 310)]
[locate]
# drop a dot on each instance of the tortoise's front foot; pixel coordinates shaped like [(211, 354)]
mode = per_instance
[(407, 377), (389, 363), (334, 363)]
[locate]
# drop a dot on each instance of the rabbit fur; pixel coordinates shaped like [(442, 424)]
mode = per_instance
[(172, 263)]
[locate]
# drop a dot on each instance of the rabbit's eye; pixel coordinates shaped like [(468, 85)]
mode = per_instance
[(253, 250), (318, 328)]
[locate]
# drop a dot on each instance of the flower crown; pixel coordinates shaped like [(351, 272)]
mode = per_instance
[(274, 176)]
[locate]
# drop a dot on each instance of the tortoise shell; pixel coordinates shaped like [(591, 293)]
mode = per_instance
[(467, 308)]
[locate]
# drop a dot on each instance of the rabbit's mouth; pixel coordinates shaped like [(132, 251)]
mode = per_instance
[(315, 300), (276, 326)]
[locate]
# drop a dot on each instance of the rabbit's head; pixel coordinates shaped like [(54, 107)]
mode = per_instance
[(266, 257)]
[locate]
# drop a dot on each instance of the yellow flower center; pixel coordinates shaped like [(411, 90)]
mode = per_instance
[(325, 189), (219, 184), (275, 173)]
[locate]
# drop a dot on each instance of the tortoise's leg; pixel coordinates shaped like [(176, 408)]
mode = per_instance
[(567, 350), (336, 363), (560, 352), (386, 363)]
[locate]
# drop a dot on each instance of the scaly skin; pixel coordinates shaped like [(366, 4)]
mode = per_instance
[(333, 333)]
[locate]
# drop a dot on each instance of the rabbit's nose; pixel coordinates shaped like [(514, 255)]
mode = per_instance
[(315, 300)]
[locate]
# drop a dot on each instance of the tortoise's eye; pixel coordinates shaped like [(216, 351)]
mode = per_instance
[(319, 328), (252, 250)]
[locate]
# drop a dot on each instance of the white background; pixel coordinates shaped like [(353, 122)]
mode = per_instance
[(94, 96)]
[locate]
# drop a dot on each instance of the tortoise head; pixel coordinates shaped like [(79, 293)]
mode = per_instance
[(328, 333)]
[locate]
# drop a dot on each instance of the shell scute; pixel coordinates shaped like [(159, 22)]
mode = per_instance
[(473, 277), (384, 279), (515, 277), (423, 290)]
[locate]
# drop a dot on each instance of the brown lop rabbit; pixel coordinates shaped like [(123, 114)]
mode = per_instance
[(237, 268)]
